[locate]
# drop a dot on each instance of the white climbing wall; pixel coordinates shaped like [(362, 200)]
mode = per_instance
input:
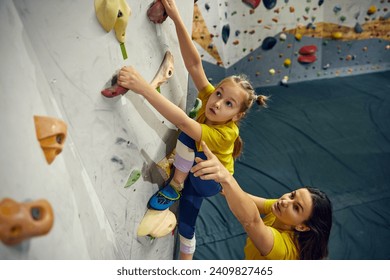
[(55, 59), (361, 47)]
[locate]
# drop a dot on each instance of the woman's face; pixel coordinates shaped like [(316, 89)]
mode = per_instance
[(292, 209)]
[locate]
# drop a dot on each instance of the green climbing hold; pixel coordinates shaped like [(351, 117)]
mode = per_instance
[(194, 111), (134, 176)]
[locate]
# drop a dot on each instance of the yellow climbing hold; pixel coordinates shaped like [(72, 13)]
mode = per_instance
[(337, 35), (371, 10), (287, 62), (298, 36)]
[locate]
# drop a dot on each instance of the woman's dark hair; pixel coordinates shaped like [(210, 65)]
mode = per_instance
[(313, 244)]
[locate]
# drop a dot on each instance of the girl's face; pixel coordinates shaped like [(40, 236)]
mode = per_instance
[(292, 209), (225, 104)]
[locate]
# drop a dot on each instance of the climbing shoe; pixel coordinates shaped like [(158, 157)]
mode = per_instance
[(164, 198)]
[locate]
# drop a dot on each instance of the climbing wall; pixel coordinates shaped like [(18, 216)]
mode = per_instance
[(56, 58), (292, 40)]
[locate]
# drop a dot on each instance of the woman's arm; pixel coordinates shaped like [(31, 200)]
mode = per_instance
[(188, 50), (243, 206), (129, 78)]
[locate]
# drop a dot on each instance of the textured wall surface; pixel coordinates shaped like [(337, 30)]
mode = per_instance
[(56, 58), (351, 37)]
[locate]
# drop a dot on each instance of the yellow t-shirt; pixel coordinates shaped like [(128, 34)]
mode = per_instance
[(284, 247), (219, 138)]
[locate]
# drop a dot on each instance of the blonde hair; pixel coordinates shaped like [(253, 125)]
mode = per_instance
[(252, 97)]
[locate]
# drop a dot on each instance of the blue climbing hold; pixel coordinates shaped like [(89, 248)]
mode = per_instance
[(268, 43), (358, 28), (269, 4), (225, 33)]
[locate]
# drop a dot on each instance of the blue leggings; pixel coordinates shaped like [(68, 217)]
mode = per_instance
[(195, 190)]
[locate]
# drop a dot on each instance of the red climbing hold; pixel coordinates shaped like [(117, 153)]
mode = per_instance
[(307, 50), (252, 3), (306, 59)]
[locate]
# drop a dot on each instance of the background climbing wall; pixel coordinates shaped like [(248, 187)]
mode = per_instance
[(351, 37), (56, 58)]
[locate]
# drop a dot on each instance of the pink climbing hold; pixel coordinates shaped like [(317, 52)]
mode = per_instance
[(252, 3)]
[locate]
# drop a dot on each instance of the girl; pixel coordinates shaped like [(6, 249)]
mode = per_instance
[(296, 226), (216, 124)]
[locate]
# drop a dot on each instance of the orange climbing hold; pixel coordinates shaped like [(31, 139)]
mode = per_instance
[(19, 221), (51, 134)]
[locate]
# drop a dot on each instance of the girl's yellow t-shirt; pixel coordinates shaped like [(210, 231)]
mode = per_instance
[(284, 247), (219, 138)]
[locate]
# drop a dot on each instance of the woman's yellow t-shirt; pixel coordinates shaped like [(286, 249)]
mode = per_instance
[(284, 247), (219, 138)]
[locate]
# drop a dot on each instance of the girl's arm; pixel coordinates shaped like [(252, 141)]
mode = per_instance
[(244, 207), (188, 50), (129, 78)]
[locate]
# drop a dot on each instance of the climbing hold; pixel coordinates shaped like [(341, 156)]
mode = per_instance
[(358, 28), (336, 9), (371, 10), (252, 3), (51, 134), (114, 90), (287, 62), (320, 2), (121, 22), (306, 59), (134, 176), (207, 6), (337, 35), (157, 223), (307, 54), (283, 37), (165, 71), (292, 9), (194, 111), (308, 50), (269, 4), (225, 33), (272, 71), (20, 221), (268, 43), (298, 36), (106, 13), (113, 15), (156, 12), (284, 81)]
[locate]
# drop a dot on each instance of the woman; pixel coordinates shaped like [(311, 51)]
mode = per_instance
[(296, 226)]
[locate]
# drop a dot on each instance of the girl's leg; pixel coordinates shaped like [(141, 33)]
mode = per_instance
[(184, 159), (188, 212)]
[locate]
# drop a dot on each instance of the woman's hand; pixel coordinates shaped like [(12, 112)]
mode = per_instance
[(210, 169), (131, 79)]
